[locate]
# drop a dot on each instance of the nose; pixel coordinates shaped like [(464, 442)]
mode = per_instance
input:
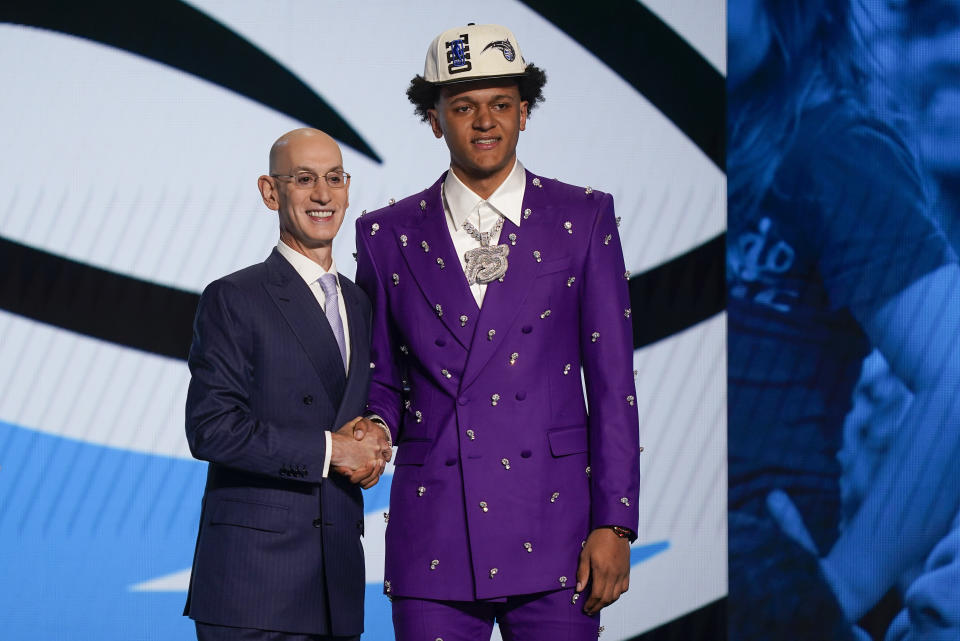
[(484, 119), (321, 192)]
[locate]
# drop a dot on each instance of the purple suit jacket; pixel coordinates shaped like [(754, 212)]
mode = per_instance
[(501, 472)]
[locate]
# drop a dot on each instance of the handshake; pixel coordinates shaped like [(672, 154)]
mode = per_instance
[(360, 451)]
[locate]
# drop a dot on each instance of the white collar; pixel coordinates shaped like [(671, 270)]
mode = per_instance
[(309, 271), (507, 200)]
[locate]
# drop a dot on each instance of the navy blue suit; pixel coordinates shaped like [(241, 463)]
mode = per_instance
[(278, 546)]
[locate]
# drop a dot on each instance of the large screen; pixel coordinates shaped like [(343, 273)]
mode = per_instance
[(133, 136), (844, 320)]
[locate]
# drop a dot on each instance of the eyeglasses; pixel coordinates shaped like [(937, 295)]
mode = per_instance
[(309, 180)]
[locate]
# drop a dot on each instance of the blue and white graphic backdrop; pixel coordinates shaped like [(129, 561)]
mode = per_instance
[(133, 134)]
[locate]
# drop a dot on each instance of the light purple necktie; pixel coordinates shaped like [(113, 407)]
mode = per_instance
[(328, 283)]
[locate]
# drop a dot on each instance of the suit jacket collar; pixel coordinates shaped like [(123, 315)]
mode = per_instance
[(425, 239), (426, 246), (308, 322), (359, 348), (309, 270)]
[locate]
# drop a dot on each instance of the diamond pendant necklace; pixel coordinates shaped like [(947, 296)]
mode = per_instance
[(485, 263)]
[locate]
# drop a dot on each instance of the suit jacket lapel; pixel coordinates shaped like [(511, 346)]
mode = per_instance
[(308, 322), (502, 301), (359, 348), (427, 240)]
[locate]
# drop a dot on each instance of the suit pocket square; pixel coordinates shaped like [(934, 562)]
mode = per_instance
[(256, 516), (568, 440)]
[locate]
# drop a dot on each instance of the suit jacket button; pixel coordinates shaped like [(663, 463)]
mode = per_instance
[(463, 400), (317, 522), (307, 400), (440, 342), (521, 396), (526, 329)]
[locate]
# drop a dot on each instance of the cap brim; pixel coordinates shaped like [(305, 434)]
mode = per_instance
[(460, 81)]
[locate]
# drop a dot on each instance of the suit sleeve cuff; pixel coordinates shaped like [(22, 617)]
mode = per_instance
[(327, 453)]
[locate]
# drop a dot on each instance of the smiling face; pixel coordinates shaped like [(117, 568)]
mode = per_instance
[(309, 218), (481, 124)]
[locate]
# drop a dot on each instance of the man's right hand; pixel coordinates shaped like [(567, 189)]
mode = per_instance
[(358, 453)]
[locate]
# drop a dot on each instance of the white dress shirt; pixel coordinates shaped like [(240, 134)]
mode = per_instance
[(311, 272), (461, 205)]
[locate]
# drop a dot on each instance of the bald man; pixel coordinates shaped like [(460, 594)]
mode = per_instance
[(280, 376)]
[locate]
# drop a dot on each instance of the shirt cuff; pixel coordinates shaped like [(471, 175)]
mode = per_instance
[(327, 453)]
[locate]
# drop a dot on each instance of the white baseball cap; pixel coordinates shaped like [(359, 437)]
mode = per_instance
[(473, 52)]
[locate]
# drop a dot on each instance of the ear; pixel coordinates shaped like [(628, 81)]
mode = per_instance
[(268, 191), (524, 105), (435, 123)]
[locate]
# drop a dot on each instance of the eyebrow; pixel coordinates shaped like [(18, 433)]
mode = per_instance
[(501, 96), (299, 168)]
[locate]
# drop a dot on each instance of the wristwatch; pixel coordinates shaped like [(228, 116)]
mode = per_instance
[(622, 532)]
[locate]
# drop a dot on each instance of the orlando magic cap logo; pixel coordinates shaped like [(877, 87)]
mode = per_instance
[(473, 52), (505, 47)]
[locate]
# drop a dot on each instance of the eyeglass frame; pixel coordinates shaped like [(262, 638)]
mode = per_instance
[(339, 172)]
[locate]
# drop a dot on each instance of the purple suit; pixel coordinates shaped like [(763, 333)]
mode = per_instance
[(501, 473)]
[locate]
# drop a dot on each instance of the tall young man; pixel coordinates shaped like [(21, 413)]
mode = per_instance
[(491, 290)]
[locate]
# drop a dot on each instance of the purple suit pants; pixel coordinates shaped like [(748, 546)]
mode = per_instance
[(547, 616)]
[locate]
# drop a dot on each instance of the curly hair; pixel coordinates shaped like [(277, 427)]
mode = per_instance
[(424, 95)]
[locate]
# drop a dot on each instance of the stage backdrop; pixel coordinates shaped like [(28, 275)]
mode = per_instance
[(133, 135)]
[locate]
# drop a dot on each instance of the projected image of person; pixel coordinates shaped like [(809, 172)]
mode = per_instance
[(831, 253), (916, 42)]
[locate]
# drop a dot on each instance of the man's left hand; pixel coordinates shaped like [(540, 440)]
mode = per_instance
[(605, 564)]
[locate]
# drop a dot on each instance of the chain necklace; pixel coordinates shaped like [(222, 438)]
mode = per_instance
[(483, 237)]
